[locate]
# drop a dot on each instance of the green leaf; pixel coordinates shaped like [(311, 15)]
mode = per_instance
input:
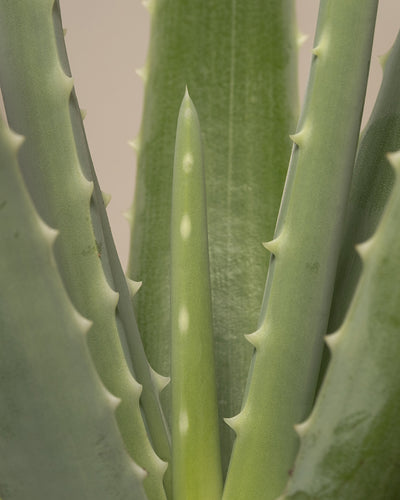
[(129, 334), (37, 94), (350, 443), (305, 251), (238, 59), (371, 185), (58, 433), (196, 453)]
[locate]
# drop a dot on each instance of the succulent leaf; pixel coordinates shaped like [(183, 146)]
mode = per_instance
[(125, 319), (39, 101), (350, 446), (58, 433), (371, 185), (239, 62), (300, 281), (196, 450)]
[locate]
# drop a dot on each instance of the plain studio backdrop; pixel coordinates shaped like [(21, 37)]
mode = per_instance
[(107, 42)]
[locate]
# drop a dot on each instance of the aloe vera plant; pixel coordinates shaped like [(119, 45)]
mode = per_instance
[(210, 381)]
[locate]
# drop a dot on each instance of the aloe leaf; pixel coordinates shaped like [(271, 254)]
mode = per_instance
[(37, 97), (372, 182), (238, 59), (196, 454), (131, 341), (305, 250), (350, 443), (58, 433)]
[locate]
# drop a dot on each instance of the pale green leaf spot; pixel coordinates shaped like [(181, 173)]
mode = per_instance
[(183, 422), (183, 320), (187, 163), (185, 227)]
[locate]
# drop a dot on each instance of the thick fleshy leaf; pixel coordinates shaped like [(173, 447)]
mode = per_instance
[(196, 451), (238, 59), (350, 445), (371, 185), (37, 91), (305, 250), (125, 318), (58, 433)]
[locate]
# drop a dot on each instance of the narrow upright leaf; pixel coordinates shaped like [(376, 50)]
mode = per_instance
[(126, 322), (350, 445), (305, 250), (371, 185), (58, 433), (238, 58), (37, 91), (196, 453)]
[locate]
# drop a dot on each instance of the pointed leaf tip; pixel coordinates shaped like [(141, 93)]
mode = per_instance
[(188, 109), (187, 101)]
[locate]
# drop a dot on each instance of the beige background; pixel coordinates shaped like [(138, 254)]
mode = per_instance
[(107, 40)]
